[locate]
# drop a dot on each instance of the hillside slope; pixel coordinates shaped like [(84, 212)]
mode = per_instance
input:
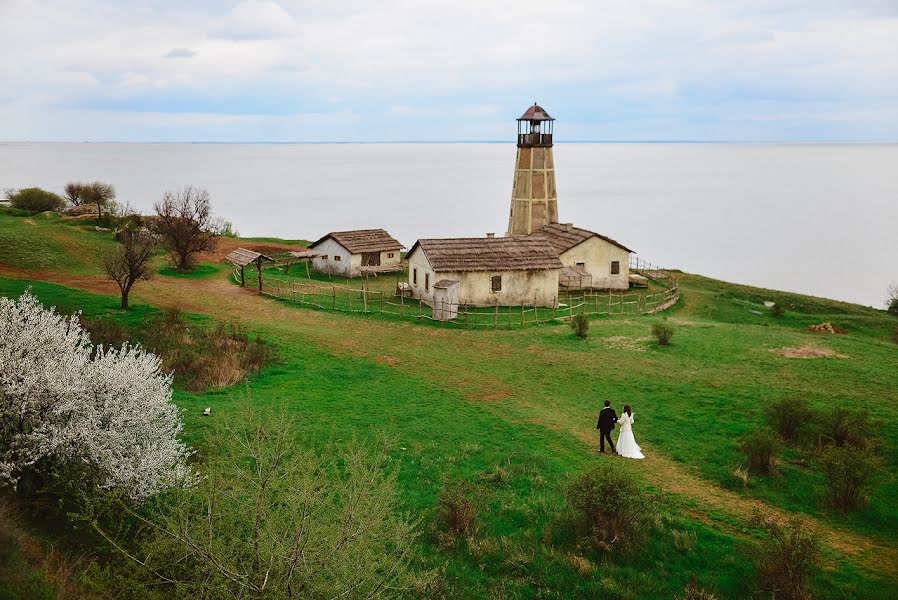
[(472, 404)]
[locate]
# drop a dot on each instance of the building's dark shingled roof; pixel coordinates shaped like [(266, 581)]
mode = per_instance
[(362, 240), (535, 113), (488, 254), (563, 240), (242, 257)]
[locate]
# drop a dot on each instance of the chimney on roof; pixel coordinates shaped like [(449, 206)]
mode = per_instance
[(491, 235), (568, 227)]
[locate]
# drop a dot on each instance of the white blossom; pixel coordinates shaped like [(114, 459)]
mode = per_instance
[(61, 397)]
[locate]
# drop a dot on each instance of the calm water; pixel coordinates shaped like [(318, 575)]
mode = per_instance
[(819, 219)]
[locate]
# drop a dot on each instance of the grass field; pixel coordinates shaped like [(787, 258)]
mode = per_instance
[(514, 411)]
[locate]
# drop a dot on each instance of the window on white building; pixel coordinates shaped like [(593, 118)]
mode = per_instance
[(615, 267), (496, 283)]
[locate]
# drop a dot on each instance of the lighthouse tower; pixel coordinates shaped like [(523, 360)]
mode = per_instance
[(533, 200)]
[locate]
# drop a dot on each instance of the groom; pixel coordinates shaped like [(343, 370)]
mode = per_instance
[(607, 419)]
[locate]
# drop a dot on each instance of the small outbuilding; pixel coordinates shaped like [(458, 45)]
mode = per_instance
[(241, 257), (354, 253), (507, 271), (591, 260)]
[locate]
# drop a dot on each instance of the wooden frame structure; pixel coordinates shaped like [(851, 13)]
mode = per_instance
[(241, 257)]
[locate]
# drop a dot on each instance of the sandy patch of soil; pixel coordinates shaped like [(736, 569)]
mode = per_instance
[(808, 352), (623, 342)]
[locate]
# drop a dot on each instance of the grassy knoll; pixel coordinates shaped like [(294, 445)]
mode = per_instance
[(48, 241), (514, 411)]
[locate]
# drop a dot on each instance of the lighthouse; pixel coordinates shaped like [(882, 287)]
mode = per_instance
[(534, 203)]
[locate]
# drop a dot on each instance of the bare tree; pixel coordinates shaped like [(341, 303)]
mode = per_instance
[(130, 261), (73, 193), (98, 193), (892, 300), (185, 223)]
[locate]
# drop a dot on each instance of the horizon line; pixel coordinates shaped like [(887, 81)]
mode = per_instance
[(437, 141)]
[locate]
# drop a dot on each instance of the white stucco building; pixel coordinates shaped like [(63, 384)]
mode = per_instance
[(507, 271), (591, 260), (353, 253)]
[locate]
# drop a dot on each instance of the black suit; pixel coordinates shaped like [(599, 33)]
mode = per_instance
[(607, 419)]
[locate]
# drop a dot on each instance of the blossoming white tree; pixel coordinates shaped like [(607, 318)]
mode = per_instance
[(62, 398)]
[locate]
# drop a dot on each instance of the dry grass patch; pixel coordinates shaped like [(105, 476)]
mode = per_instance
[(623, 342), (807, 352)]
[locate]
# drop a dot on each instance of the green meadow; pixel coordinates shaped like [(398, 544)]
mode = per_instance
[(513, 411)]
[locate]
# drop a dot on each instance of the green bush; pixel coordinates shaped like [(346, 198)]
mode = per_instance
[(785, 559), (760, 447), (580, 325), (458, 505), (777, 310), (35, 200), (841, 426), (849, 471), (790, 417), (610, 506), (663, 332)]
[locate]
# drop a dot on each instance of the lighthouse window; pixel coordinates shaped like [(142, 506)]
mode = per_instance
[(496, 283), (615, 267)]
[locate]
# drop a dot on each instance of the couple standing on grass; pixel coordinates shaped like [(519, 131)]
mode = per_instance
[(626, 442)]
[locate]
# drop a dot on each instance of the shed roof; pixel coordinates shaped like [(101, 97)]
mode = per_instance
[(446, 283), (488, 254), (304, 253), (563, 238), (535, 113), (242, 257), (362, 240)]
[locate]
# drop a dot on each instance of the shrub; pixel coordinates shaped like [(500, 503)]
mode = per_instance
[(580, 325), (789, 417), (785, 559), (458, 506), (840, 426), (106, 332), (848, 472), (760, 447), (663, 332), (777, 310), (610, 506), (62, 399), (35, 200)]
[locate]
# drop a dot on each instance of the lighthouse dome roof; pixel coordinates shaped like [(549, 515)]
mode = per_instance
[(535, 113)]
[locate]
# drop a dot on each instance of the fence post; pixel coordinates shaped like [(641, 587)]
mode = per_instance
[(333, 297), (535, 311), (293, 287), (401, 306), (381, 302), (554, 303), (570, 308), (496, 317), (419, 309)]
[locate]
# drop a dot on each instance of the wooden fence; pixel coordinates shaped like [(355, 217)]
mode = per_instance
[(364, 300)]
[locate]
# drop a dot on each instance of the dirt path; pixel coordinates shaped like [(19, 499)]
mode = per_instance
[(402, 350)]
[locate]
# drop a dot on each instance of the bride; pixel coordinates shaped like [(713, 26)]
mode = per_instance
[(626, 443)]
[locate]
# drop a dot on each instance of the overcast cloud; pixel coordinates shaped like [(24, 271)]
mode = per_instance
[(265, 70)]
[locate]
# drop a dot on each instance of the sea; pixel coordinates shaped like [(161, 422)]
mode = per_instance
[(820, 219)]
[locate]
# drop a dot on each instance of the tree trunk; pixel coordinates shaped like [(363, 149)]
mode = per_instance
[(125, 292)]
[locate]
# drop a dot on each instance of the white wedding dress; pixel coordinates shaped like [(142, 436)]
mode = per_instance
[(626, 443)]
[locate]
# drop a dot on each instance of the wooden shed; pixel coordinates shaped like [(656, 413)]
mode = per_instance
[(241, 257), (359, 252)]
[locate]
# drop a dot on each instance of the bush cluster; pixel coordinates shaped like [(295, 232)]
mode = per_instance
[(35, 200), (202, 357), (611, 508), (777, 310), (843, 446), (785, 559)]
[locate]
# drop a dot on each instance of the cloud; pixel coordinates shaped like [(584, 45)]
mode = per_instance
[(180, 53), (462, 69), (255, 20)]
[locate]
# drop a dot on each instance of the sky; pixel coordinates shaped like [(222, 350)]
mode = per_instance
[(434, 70)]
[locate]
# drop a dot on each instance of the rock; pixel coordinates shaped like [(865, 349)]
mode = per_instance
[(208, 411)]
